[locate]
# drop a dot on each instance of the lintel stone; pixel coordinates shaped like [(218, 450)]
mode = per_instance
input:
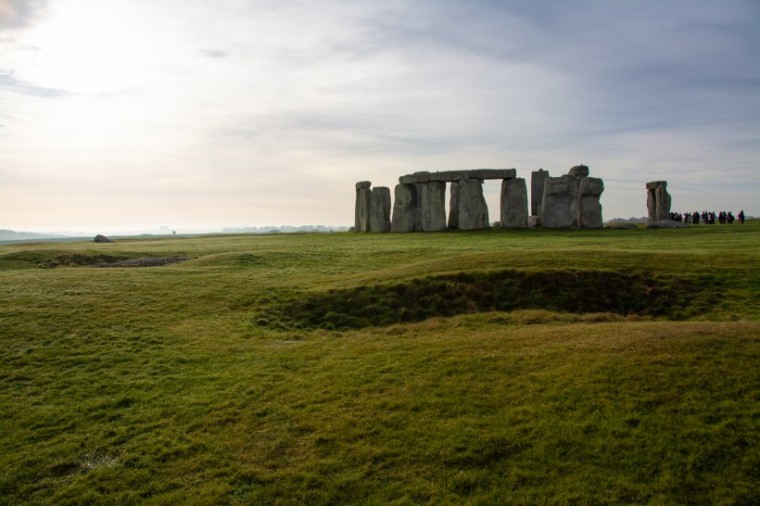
[(452, 176)]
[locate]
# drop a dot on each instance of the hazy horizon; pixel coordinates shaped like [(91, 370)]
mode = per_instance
[(132, 115)]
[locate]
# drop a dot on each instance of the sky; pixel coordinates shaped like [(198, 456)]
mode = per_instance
[(132, 114)]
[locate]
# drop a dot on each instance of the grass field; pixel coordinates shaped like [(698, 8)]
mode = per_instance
[(524, 366)]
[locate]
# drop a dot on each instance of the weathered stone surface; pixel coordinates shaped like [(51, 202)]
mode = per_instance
[(493, 173), (651, 205), (663, 202), (579, 171), (533, 222), (666, 224), (102, 239), (380, 210), (537, 178), (415, 178), (557, 202), (473, 211), (433, 206), (658, 201), (362, 209), (514, 203), (454, 205), (363, 184), (451, 176), (590, 209), (405, 209)]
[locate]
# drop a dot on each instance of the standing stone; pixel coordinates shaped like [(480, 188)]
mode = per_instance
[(663, 203), (578, 174), (590, 209), (362, 207), (454, 205), (537, 178), (473, 211), (433, 206), (579, 171), (380, 209), (658, 201), (557, 202), (514, 203), (405, 209)]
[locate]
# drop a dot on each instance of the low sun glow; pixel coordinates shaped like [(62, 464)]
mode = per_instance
[(83, 52)]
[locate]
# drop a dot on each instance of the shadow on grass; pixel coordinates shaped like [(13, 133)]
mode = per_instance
[(574, 291)]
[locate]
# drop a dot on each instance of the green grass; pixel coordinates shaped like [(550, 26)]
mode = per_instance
[(413, 368)]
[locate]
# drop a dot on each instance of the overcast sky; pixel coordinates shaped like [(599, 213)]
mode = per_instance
[(124, 114)]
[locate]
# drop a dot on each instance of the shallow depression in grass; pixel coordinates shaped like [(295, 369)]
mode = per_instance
[(575, 291)]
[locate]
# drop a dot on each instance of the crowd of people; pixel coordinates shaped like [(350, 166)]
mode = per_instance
[(708, 218)]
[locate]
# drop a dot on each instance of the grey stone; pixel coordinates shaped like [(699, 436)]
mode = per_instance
[(666, 224), (533, 222), (363, 184), (415, 178), (362, 209), (433, 206), (654, 184), (658, 201), (102, 239), (557, 202), (579, 171), (514, 203), (651, 205), (405, 209), (451, 176), (663, 203), (380, 210), (537, 178), (590, 209), (622, 225), (473, 211), (493, 173), (454, 205)]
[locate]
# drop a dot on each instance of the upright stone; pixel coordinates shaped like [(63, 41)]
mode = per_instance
[(405, 209), (473, 211), (514, 203), (362, 207), (557, 202), (658, 201), (663, 203), (433, 206), (537, 178), (380, 209), (454, 205), (579, 171), (590, 209)]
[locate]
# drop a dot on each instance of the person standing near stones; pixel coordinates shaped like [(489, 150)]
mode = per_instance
[(741, 217)]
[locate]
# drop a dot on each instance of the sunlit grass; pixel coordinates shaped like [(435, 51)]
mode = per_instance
[(129, 385)]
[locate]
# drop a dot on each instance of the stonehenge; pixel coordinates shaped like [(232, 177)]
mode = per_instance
[(514, 203), (658, 201), (419, 205)]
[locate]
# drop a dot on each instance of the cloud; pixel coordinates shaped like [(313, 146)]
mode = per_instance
[(8, 82), (215, 53), (17, 14)]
